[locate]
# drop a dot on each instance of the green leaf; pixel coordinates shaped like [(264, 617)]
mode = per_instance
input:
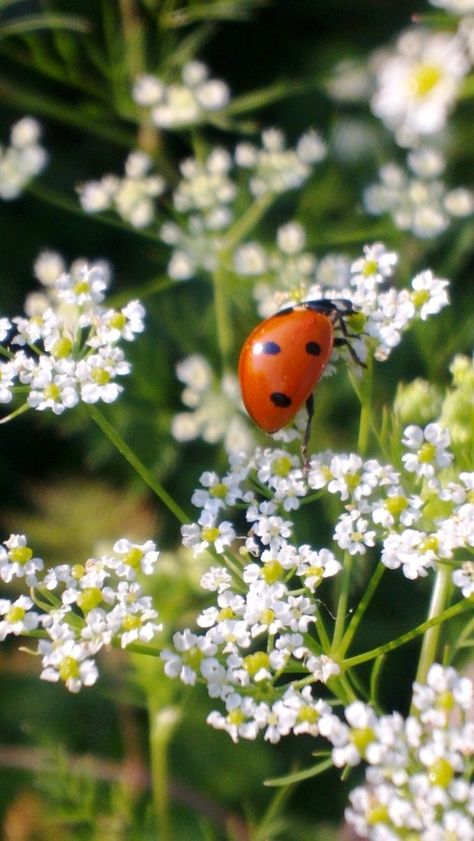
[(33, 23), (299, 776)]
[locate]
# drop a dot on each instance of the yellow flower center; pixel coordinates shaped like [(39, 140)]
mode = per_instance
[(236, 717), (52, 392), (378, 813), (62, 348), (21, 554), (100, 376), (308, 714), (427, 453), (210, 534), (225, 613), (193, 658), (219, 490), (420, 297), (370, 268), (89, 598), (118, 321), (445, 701), (68, 669), (396, 504), (81, 287), (254, 662), (430, 544), (131, 621), (77, 571), (315, 572), (272, 571), (15, 614), (281, 466), (133, 557), (424, 79), (362, 737), (441, 773)]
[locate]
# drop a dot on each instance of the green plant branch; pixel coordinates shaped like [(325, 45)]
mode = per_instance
[(360, 610), (452, 611), (439, 598), (148, 477)]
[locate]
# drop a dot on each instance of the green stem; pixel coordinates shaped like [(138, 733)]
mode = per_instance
[(439, 598), (247, 222), (342, 604), (365, 408), (163, 721), (408, 637), (221, 309), (360, 610), (116, 439)]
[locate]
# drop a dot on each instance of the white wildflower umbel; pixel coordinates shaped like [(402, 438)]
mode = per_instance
[(65, 349), (214, 407), (417, 779), (22, 159), (84, 607), (418, 82), (417, 199), (181, 104), (132, 196)]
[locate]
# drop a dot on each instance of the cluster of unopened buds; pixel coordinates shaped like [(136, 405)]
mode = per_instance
[(65, 349)]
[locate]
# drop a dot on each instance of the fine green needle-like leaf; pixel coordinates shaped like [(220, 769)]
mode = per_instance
[(33, 23), (299, 776)]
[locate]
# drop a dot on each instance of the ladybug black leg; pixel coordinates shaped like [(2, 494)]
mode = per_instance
[(343, 341), (307, 433)]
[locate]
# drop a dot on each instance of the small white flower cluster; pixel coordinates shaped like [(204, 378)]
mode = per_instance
[(22, 159), (131, 196), (175, 106), (214, 408), (384, 312), (287, 266), (417, 782), (207, 196), (274, 168), (65, 348), (418, 83), (259, 628), (418, 200), (84, 607)]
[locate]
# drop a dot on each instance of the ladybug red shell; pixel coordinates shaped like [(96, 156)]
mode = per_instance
[(284, 358)]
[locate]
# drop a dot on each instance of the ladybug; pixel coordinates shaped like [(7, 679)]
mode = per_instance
[(284, 358)]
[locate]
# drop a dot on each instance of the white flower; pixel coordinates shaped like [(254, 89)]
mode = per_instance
[(375, 266), (131, 196), (17, 560), (352, 533), (429, 294), (22, 160), (464, 578), (178, 105), (68, 660), (17, 617), (430, 449), (418, 82)]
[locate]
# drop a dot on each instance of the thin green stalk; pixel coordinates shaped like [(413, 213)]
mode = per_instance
[(116, 439), (342, 603), (221, 310), (366, 656), (247, 222), (365, 408), (163, 721), (360, 610), (439, 599)]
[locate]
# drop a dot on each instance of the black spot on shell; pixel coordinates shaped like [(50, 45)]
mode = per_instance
[(280, 399), (272, 348), (313, 348)]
